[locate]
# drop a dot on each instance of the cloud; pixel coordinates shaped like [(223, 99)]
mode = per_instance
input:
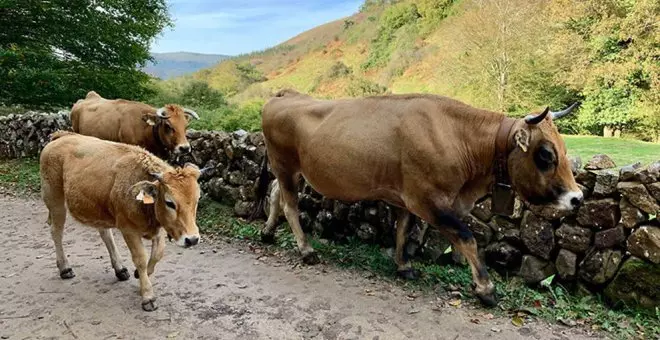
[(234, 27)]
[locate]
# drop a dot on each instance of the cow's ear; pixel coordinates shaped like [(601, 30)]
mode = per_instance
[(521, 136), (145, 192), (149, 119)]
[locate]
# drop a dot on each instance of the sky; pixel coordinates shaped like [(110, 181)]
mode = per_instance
[(239, 26)]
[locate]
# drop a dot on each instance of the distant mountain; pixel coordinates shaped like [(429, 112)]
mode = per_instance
[(170, 65)]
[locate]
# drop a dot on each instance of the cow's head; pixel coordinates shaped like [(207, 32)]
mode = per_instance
[(539, 168), (174, 194), (170, 123)]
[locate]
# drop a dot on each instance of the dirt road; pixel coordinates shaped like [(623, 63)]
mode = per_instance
[(216, 290)]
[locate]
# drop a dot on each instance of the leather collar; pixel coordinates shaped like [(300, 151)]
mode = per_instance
[(503, 199)]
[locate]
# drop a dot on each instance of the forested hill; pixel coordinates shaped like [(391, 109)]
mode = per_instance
[(507, 55), (169, 65)]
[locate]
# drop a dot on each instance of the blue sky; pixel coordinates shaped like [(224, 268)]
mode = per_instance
[(239, 26)]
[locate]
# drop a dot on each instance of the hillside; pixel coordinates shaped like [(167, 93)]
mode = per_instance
[(506, 55), (170, 65)]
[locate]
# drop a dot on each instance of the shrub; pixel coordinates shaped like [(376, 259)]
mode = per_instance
[(361, 87)]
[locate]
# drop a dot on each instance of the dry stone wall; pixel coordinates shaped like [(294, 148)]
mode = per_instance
[(611, 244)]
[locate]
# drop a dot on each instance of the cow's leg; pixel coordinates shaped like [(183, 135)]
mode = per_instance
[(120, 271), (289, 192), (134, 243), (462, 240), (157, 251), (57, 218), (268, 232), (404, 268)]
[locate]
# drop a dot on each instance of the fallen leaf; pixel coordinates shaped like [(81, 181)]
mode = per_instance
[(475, 321), (517, 321), (537, 304), (456, 303)]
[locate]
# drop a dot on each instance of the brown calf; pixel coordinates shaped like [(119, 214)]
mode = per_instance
[(427, 155), (160, 131), (109, 185)]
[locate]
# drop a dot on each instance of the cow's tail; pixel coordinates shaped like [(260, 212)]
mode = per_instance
[(261, 189)]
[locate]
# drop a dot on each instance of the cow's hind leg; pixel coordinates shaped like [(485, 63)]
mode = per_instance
[(289, 192), (120, 271), (134, 243), (404, 268), (53, 197), (268, 232), (462, 240)]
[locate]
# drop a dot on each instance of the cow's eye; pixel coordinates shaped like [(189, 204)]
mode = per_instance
[(168, 129), (545, 158), (170, 204)]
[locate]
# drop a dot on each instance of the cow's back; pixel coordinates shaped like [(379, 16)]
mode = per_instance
[(115, 120)]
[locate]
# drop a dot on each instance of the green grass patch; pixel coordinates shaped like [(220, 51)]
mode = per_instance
[(20, 175), (622, 151)]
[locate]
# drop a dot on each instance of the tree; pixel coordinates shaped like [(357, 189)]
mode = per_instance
[(54, 52)]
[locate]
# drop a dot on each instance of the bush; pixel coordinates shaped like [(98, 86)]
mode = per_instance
[(361, 87), (231, 118), (338, 70), (199, 94)]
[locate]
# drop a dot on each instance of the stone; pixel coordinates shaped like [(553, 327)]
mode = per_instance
[(600, 214), (627, 172), (586, 192), (649, 174), (481, 231), (645, 243), (576, 164), (609, 238), (631, 216), (600, 162), (518, 209), (636, 284), (502, 255), (534, 270), (537, 235), (606, 182), (654, 190), (236, 178), (366, 232), (599, 266), (506, 229), (586, 178), (566, 264), (242, 208), (550, 211), (482, 210), (637, 194), (573, 238)]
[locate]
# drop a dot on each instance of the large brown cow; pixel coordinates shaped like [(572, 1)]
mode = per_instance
[(427, 155), (109, 185), (160, 131)]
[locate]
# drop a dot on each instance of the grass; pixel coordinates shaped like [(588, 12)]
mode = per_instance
[(622, 151), (553, 303)]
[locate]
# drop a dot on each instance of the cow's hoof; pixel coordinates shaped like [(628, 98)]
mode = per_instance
[(268, 238), (149, 305), (67, 273), (489, 300), (122, 274), (136, 274), (408, 274), (311, 258)]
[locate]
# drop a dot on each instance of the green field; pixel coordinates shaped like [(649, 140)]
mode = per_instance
[(622, 151)]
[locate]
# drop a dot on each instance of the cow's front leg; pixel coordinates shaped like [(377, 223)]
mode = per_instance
[(134, 243), (404, 268)]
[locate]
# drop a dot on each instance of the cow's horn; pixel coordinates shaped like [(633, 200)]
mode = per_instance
[(533, 120), (191, 113), (557, 115), (157, 175), (161, 113)]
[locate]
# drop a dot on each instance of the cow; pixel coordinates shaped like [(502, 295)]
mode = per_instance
[(160, 131), (423, 154), (108, 185)]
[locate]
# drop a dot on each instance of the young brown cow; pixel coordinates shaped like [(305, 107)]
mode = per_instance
[(109, 185), (427, 155)]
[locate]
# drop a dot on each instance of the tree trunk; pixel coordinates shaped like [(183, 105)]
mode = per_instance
[(607, 131), (617, 133)]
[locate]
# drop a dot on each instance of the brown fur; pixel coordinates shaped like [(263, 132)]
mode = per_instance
[(97, 181), (429, 155), (128, 122)]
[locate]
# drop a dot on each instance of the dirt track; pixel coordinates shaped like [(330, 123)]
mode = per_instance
[(213, 291)]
